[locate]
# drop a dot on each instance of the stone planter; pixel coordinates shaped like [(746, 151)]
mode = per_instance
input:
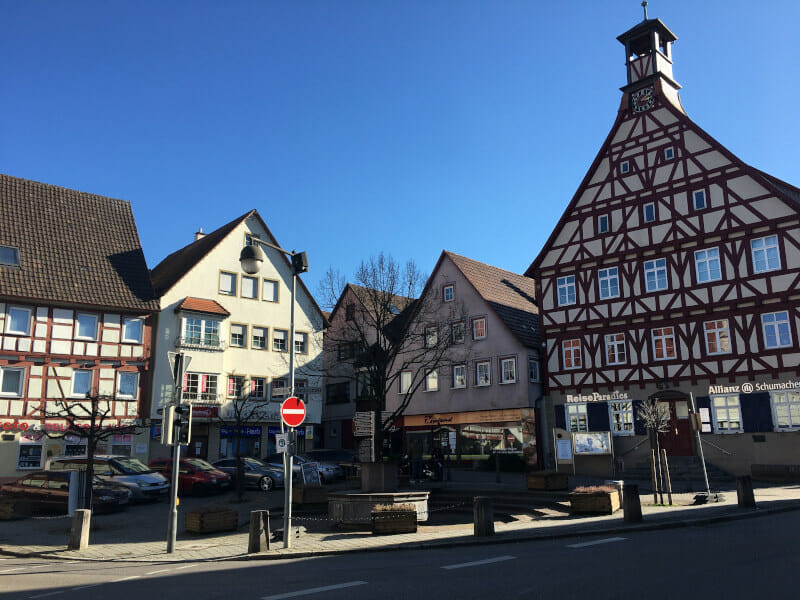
[(212, 518), (601, 502), (394, 521), (354, 510), (547, 480)]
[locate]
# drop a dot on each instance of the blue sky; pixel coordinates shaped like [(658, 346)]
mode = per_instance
[(360, 126)]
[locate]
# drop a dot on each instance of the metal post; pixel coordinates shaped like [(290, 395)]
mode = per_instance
[(287, 458), (172, 525), (698, 423)]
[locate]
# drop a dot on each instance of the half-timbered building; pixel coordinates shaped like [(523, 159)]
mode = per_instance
[(673, 275)]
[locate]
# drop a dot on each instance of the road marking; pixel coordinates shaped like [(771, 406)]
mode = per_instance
[(127, 578), (317, 590), (85, 587), (185, 567), (47, 594), (479, 562), (12, 570), (159, 571), (596, 542)]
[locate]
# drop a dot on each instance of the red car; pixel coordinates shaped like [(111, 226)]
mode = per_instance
[(195, 475), (47, 492)]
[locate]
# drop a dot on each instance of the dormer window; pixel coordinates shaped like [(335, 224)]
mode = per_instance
[(603, 224), (9, 256), (624, 167)]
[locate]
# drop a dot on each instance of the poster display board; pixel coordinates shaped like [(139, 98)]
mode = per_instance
[(310, 474), (592, 442), (564, 450)]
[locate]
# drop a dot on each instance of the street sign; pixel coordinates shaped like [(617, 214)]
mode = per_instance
[(178, 364), (281, 442), (293, 411)]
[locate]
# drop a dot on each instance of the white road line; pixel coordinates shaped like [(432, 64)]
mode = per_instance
[(317, 590), (596, 542), (127, 578), (86, 587), (47, 594), (185, 567), (159, 571), (12, 570), (479, 562)]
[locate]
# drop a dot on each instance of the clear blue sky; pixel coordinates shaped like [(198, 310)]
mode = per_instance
[(360, 126)]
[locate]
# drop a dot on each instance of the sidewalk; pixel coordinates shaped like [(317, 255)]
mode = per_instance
[(139, 533)]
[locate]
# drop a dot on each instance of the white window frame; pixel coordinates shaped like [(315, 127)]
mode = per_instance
[(451, 288), (620, 417), (486, 367), (206, 331), (603, 223), (12, 254), (475, 322), (616, 352), (278, 382), (404, 382), (243, 332), (73, 379), (23, 309), (656, 267), (660, 337), (254, 290), (503, 362), (609, 277), (566, 293), (534, 374), (233, 279), (458, 326), (781, 324), (276, 338), (707, 265), (239, 382), (459, 376), (432, 381), (270, 284), (198, 393), (129, 321), (570, 352), (789, 398), (300, 342), (699, 200), (649, 218), (254, 388), (88, 338), (265, 336), (762, 246), (624, 167), (729, 406), (127, 374), (20, 385), (715, 332), (576, 417)]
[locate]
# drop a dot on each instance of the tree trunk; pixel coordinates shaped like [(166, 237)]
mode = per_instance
[(91, 447)]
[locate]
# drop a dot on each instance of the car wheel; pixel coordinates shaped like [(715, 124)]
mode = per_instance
[(265, 484)]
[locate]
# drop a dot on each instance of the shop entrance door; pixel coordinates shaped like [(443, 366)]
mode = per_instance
[(677, 440)]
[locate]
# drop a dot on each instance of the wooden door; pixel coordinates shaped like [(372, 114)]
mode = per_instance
[(677, 441)]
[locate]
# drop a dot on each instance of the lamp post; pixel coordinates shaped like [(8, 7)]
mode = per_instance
[(251, 258)]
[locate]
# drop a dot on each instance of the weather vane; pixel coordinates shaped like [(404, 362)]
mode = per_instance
[(644, 6)]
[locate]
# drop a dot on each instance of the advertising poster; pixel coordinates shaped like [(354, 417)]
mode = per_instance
[(593, 442)]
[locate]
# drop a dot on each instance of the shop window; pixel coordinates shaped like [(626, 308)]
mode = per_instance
[(576, 417), (786, 410), (11, 381), (30, 451), (459, 376), (621, 416), (726, 414)]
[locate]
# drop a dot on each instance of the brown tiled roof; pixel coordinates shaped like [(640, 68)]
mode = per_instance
[(74, 248), (511, 296), (202, 305)]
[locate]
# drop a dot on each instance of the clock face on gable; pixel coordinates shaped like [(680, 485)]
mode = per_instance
[(643, 99)]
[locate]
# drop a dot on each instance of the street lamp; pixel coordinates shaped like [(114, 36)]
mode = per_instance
[(251, 258)]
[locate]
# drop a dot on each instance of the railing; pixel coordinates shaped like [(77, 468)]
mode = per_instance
[(194, 343), (629, 450), (713, 445), (202, 397)]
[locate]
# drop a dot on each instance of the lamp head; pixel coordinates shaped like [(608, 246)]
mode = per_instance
[(251, 258)]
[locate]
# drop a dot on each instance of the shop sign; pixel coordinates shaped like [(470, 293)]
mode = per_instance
[(753, 386), (31, 438), (598, 397), (13, 426), (245, 431), (300, 431), (478, 416), (205, 412)]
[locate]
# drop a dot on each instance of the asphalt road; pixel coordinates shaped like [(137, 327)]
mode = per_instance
[(751, 558)]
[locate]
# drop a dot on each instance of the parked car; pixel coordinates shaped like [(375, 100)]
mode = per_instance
[(195, 475), (257, 474), (48, 492), (141, 480), (276, 461), (346, 459)]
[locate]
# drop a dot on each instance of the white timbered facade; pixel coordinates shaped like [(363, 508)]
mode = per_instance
[(673, 274)]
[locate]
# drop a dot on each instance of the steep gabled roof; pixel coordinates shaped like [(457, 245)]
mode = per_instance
[(362, 294), (510, 295), (74, 248)]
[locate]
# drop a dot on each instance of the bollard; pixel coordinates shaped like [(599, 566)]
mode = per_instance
[(79, 534), (744, 492), (483, 516), (631, 504), (259, 531)]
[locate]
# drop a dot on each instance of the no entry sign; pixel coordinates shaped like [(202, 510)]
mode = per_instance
[(293, 411)]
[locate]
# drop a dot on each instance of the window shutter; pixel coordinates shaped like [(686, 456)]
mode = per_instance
[(185, 382), (252, 386), (597, 416), (561, 416), (230, 386), (756, 412), (705, 402), (638, 426), (204, 383)]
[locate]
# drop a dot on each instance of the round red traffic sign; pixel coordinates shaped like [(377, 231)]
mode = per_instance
[(293, 411)]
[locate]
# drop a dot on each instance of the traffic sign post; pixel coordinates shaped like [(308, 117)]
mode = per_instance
[(293, 413)]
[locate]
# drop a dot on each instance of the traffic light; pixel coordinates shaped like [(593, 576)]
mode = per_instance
[(183, 423), (167, 420)]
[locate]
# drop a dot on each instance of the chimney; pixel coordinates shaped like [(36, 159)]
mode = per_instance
[(199, 234)]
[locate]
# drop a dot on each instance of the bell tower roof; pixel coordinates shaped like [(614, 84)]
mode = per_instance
[(648, 54)]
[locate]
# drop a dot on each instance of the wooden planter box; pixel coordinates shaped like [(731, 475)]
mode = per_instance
[(211, 519), (394, 521), (594, 503), (547, 480)]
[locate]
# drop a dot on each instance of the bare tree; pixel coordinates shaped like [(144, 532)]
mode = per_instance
[(654, 416)]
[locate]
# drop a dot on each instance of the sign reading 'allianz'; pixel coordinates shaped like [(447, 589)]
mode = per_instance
[(750, 387), (598, 397)]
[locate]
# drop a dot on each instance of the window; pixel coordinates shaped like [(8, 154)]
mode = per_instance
[(132, 330), (718, 336), (11, 380), (663, 343), (431, 337), (19, 320), (269, 290), (508, 370), (533, 370), (566, 290), (345, 351), (201, 332), (349, 312), (127, 385), (786, 409), (85, 327), (235, 386), (337, 393), (479, 328), (405, 381), (432, 381), (457, 332), (448, 292), (280, 340), (655, 274), (776, 329), (81, 383), (649, 212), (621, 417), (669, 153), (278, 389), (576, 417), (300, 342), (483, 372), (258, 388), (238, 335), (199, 386), (765, 254), (9, 256), (249, 287), (571, 350), (259, 341), (699, 199), (624, 167), (706, 264), (227, 283), (726, 414), (603, 224), (609, 283), (460, 376), (615, 349)]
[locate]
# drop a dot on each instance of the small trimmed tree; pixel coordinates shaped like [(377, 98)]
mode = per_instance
[(654, 416)]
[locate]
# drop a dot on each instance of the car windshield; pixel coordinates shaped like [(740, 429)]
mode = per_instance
[(200, 464), (130, 466), (253, 462)]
